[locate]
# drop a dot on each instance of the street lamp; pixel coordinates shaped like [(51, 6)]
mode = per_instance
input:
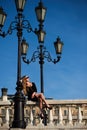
[(41, 51), (19, 24)]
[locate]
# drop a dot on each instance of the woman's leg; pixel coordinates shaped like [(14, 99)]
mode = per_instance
[(41, 107), (40, 103), (41, 97)]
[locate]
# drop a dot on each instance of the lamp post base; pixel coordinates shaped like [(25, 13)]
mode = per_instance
[(19, 124), (19, 102)]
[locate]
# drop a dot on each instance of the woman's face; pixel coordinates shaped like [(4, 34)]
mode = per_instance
[(27, 80)]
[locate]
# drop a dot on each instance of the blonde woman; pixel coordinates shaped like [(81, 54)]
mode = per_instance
[(30, 90)]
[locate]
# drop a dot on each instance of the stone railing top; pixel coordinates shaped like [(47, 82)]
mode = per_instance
[(61, 102), (52, 101), (5, 103)]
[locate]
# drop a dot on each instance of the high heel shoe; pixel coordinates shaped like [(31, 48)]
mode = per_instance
[(49, 107), (41, 115)]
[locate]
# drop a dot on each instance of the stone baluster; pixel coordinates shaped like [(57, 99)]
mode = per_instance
[(70, 116), (41, 123), (6, 123), (60, 116), (7, 116), (50, 117), (0, 118), (79, 115), (31, 119), (0, 121)]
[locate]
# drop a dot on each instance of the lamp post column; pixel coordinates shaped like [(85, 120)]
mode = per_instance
[(19, 99), (19, 35), (41, 62)]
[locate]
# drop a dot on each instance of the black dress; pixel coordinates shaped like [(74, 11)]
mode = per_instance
[(30, 91)]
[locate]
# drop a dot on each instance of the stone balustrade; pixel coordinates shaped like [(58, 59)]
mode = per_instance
[(64, 113)]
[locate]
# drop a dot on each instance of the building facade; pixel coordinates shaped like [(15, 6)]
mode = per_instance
[(65, 114)]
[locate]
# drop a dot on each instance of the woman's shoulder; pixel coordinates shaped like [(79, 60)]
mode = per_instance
[(33, 84)]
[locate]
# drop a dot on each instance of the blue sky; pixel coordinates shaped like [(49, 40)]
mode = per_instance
[(66, 19)]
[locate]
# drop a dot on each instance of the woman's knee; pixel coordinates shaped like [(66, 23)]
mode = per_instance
[(41, 95)]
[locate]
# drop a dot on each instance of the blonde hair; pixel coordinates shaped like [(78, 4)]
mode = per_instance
[(24, 85)]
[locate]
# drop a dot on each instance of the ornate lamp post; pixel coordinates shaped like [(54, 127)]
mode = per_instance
[(41, 51), (18, 24)]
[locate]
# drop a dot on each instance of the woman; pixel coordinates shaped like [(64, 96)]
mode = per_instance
[(30, 90)]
